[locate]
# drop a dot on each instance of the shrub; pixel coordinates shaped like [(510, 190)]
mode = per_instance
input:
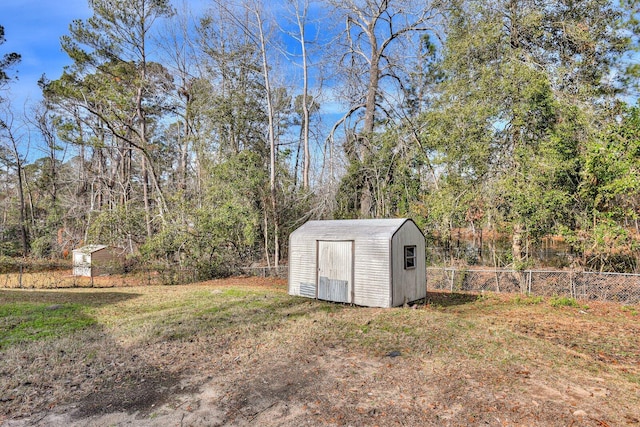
[(529, 300), (564, 302)]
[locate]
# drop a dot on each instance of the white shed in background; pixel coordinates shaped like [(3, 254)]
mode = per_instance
[(368, 262), (96, 260)]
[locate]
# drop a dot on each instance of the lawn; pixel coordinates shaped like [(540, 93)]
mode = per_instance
[(241, 351)]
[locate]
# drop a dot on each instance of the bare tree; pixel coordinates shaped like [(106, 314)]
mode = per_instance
[(379, 36), (251, 18), (300, 13), (177, 41), (10, 136)]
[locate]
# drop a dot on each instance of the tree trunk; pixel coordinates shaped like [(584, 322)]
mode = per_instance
[(519, 253), (145, 195), (24, 238), (271, 136), (305, 98), (366, 199), (517, 245)]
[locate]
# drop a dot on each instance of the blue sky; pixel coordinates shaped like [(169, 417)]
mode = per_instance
[(33, 29)]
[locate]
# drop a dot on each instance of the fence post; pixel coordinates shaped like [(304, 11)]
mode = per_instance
[(453, 272), (572, 286)]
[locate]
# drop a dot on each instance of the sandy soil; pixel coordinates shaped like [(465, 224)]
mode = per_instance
[(340, 388)]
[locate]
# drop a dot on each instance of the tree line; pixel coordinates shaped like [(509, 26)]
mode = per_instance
[(202, 138)]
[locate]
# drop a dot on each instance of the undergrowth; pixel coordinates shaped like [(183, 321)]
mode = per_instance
[(564, 302)]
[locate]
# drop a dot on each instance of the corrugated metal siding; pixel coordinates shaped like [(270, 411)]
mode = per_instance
[(79, 270), (302, 264), (371, 272), (79, 258), (409, 285), (333, 290), (307, 290)]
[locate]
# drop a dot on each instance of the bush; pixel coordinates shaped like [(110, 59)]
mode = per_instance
[(529, 300), (564, 302)]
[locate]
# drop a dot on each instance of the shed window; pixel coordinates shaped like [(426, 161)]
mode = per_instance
[(409, 257)]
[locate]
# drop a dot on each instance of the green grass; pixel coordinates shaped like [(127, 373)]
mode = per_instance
[(22, 322)]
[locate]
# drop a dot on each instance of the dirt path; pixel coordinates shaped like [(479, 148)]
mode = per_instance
[(338, 387)]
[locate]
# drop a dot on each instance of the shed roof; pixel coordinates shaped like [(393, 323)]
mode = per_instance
[(90, 249), (351, 229)]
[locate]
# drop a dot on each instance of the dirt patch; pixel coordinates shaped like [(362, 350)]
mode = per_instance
[(138, 392)]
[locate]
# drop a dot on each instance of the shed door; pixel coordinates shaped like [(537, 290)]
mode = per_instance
[(335, 271)]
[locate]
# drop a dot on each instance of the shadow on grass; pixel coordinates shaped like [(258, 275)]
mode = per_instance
[(36, 315), (449, 299), (132, 384), (238, 310), (87, 298)]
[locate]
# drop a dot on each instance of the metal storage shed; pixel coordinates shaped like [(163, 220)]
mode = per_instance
[(95, 260), (368, 262)]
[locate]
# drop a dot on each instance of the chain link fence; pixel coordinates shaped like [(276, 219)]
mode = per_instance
[(281, 271), (54, 275), (615, 287), (65, 279)]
